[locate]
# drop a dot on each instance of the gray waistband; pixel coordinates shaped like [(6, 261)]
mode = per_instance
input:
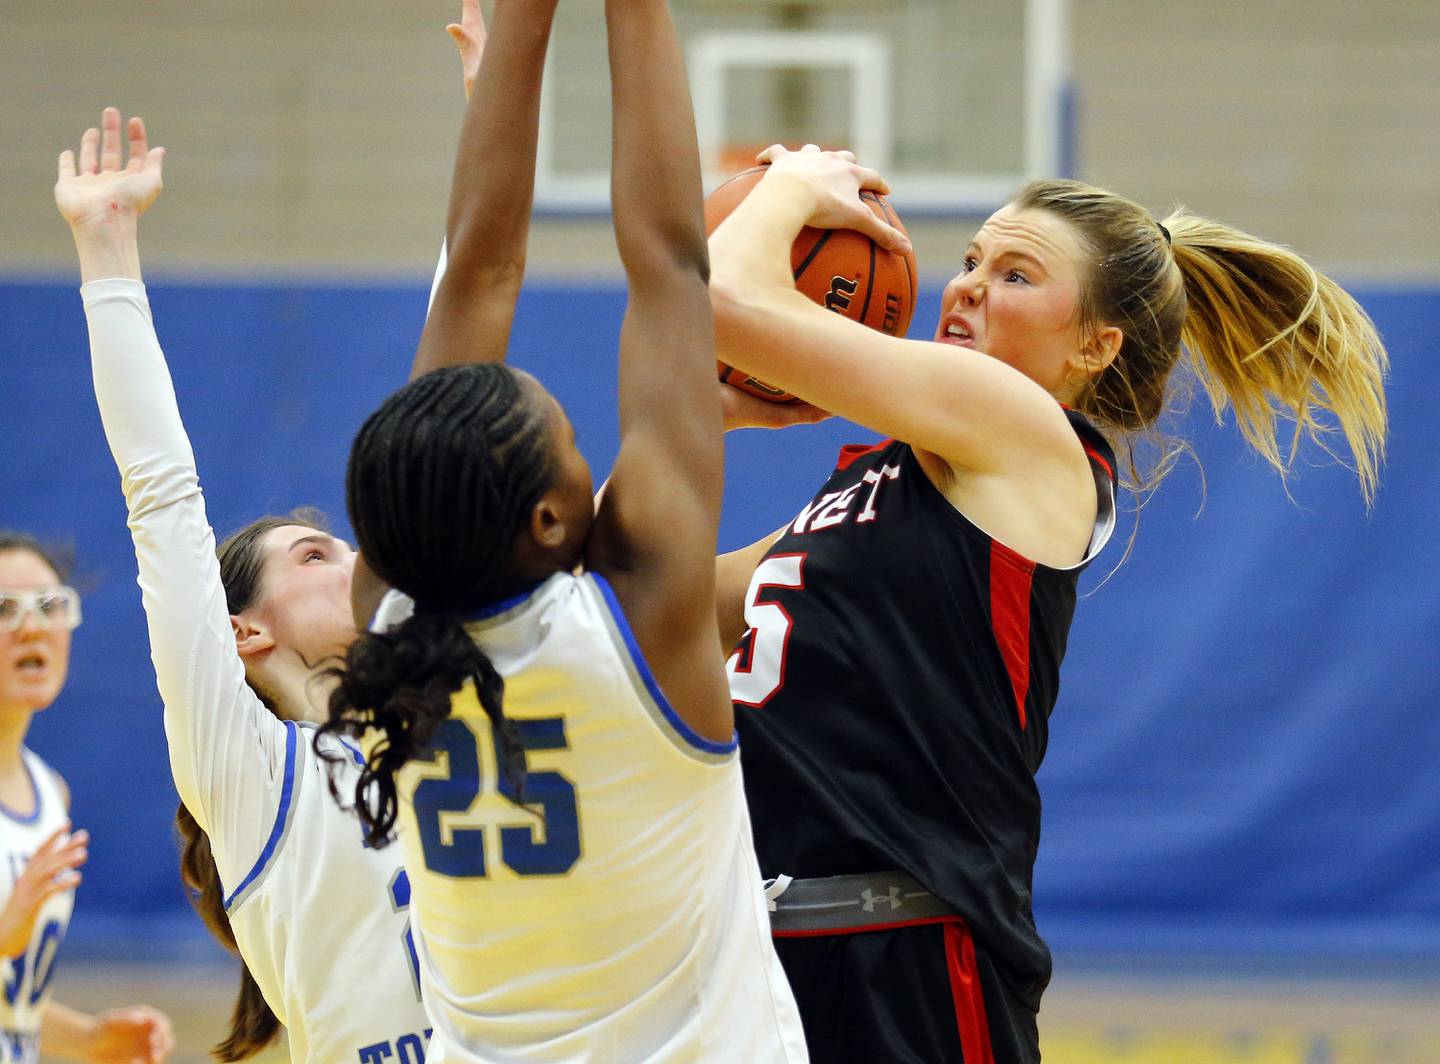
[(850, 903)]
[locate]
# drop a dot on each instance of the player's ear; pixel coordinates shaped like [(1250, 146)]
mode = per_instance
[(547, 526), (1098, 351), (251, 636)]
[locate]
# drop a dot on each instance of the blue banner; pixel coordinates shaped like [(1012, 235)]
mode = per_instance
[(1243, 756)]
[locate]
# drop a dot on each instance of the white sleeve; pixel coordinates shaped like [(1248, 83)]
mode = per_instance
[(227, 751), (439, 273)]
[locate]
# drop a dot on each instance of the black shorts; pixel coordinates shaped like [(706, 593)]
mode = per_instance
[(919, 994)]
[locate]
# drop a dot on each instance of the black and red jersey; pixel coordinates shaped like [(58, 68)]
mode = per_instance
[(893, 692)]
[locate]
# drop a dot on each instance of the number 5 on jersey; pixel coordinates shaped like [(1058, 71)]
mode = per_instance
[(757, 668)]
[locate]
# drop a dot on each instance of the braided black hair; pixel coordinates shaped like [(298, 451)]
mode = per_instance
[(442, 479)]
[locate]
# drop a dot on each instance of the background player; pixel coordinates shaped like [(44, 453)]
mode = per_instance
[(251, 785), (905, 632), (42, 856), (606, 904)]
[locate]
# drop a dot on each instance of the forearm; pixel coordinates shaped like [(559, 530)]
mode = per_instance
[(490, 195), (667, 369), (493, 183), (655, 170), (65, 1032), (213, 722), (732, 581)]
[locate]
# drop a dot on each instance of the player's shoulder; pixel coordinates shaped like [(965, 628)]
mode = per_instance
[(1097, 447), (44, 775), (326, 748)]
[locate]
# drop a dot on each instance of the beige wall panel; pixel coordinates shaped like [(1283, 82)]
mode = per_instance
[(299, 135), (315, 135), (1317, 123)]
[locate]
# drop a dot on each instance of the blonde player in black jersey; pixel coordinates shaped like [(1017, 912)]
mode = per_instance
[(42, 856), (898, 644)]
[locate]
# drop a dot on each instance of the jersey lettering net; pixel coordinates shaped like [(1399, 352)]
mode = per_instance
[(893, 692)]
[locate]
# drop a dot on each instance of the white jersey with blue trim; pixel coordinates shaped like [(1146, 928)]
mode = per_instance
[(613, 911), (320, 919), (25, 978), (323, 923)]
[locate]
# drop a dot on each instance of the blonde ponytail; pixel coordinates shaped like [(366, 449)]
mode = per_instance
[(1265, 333), (1273, 338)]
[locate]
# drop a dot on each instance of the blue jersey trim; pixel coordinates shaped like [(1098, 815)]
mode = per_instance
[(35, 789), (494, 609), (682, 729), (286, 793)]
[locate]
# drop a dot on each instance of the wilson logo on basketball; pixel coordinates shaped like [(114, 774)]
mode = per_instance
[(890, 326), (842, 290)]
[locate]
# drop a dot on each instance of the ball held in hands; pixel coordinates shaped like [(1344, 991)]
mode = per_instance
[(843, 270)]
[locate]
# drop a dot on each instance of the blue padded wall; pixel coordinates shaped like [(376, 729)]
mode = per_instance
[(1243, 757)]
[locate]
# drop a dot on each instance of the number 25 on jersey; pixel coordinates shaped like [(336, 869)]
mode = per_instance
[(548, 846)]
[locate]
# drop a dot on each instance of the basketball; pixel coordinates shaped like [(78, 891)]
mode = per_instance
[(840, 269)]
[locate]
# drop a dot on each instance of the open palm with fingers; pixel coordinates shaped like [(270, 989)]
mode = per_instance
[(100, 186)]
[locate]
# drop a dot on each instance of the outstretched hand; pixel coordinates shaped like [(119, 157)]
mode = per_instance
[(51, 870), (835, 182), (98, 188), (469, 36)]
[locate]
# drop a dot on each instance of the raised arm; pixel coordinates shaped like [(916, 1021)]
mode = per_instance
[(225, 746), (502, 171), (507, 225), (492, 188), (656, 529)]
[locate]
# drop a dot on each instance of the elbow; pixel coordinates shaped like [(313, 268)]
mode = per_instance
[(476, 264), (663, 248)]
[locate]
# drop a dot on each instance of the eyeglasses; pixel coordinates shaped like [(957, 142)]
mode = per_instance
[(55, 607)]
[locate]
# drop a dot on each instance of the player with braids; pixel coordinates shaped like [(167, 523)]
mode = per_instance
[(898, 644), (505, 461), (600, 900), (241, 638)]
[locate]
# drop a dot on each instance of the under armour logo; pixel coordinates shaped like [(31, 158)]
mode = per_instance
[(870, 899)]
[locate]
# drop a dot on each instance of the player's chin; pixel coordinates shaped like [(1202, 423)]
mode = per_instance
[(32, 696)]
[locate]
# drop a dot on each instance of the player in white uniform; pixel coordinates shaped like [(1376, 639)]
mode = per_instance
[(604, 904), (40, 855), (319, 920)]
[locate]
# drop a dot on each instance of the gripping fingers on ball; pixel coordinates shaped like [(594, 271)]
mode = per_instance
[(871, 181), (770, 154), (885, 235)]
